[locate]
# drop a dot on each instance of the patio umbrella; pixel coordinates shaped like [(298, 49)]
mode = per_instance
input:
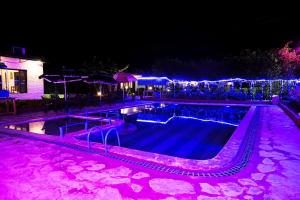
[(123, 77), (101, 79), (104, 79), (61, 79)]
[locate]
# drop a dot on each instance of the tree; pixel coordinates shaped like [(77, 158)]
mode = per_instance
[(290, 59), (270, 63), (96, 65)]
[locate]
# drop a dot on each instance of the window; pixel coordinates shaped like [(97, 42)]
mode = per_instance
[(13, 80)]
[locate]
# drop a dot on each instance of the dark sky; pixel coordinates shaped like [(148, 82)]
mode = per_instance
[(137, 37)]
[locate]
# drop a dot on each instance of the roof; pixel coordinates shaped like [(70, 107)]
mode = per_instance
[(26, 57), (153, 80)]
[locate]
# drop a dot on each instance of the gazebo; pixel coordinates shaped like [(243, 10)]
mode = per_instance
[(151, 82), (100, 79)]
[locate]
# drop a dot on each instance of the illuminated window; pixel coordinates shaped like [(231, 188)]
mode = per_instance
[(13, 80)]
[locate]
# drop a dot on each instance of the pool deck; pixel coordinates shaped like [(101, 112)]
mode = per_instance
[(36, 170)]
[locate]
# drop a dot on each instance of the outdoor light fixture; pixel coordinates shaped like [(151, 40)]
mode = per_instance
[(162, 105), (230, 83), (149, 88), (126, 87), (230, 80), (99, 93)]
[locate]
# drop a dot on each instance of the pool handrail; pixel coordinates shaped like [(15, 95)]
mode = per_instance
[(61, 128), (106, 136), (91, 131)]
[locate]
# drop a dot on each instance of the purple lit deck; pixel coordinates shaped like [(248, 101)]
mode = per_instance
[(33, 169)]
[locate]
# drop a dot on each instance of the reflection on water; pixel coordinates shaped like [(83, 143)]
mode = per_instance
[(162, 113), (37, 127), (129, 111), (51, 127)]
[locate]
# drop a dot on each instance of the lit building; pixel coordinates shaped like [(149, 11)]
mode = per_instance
[(21, 78)]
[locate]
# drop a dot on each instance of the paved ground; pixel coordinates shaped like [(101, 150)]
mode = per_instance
[(37, 170)]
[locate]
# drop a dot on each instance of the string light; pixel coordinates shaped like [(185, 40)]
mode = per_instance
[(216, 81)]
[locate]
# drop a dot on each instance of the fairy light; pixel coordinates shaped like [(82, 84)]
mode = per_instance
[(207, 82)]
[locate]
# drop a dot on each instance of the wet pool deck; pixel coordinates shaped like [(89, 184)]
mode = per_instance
[(37, 170)]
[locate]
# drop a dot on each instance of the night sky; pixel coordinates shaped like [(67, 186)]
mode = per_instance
[(139, 37)]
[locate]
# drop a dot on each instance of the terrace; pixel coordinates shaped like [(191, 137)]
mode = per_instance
[(69, 171), (99, 131), (180, 139)]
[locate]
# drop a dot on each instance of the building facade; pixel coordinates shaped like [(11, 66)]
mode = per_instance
[(21, 78)]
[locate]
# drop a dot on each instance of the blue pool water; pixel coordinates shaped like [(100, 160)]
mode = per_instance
[(185, 131)]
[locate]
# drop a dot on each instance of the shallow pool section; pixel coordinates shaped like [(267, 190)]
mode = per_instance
[(55, 126), (185, 131)]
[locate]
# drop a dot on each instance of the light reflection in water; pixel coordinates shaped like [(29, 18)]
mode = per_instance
[(37, 127)]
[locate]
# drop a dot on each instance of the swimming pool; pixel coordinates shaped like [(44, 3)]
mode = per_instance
[(179, 130)]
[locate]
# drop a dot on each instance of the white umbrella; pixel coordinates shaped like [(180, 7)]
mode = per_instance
[(61, 79)]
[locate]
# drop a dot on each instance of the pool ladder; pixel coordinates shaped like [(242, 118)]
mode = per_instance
[(104, 139)]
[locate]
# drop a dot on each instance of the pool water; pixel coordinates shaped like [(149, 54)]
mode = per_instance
[(185, 131), (51, 127)]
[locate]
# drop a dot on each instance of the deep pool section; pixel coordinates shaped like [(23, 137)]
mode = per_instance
[(185, 131)]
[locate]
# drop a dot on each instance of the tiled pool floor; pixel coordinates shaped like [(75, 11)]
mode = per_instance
[(36, 170)]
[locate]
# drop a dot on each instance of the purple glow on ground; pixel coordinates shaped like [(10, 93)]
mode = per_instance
[(37, 170)]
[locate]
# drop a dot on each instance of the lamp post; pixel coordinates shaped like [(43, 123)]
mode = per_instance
[(65, 88), (100, 92), (126, 88)]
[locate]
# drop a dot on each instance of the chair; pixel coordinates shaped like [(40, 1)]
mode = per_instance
[(4, 93)]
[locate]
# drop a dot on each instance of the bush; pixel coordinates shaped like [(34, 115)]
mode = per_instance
[(29, 105)]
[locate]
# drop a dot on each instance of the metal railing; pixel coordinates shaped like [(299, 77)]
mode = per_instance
[(106, 136), (94, 129), (61, 128)]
